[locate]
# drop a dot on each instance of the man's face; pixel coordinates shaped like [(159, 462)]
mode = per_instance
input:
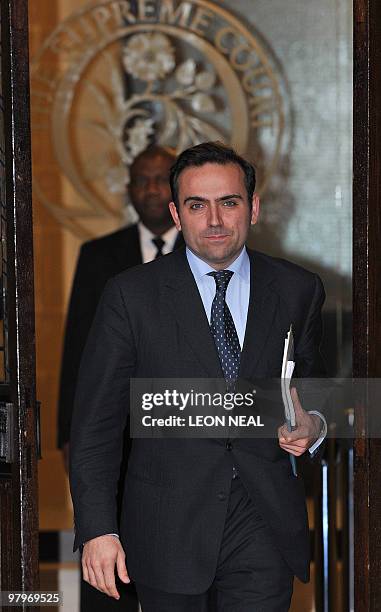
[(150, 192), (214, 213)]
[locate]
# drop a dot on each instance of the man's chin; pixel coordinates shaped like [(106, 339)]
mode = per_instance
[(218, 256)]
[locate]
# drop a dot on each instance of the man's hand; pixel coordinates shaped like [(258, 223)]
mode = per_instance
[(306, 433), (98, 564)]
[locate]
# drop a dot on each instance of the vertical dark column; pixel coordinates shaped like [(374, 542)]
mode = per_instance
[(21, 526), (367, 294)]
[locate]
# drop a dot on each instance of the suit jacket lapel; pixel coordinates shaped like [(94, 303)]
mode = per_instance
[(262, 308), (179, 242), (183, 299), (125, 249), (132, 245)]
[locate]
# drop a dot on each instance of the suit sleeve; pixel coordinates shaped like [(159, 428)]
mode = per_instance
[(309, 361), (310, 364), (82, 307), (100, 412)]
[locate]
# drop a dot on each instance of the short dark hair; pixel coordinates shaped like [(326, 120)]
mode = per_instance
[(152, 151), (214, 153)]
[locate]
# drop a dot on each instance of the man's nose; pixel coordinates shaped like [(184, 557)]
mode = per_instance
[(214, 218), (153, 185)]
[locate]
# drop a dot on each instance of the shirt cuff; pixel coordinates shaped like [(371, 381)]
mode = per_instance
[(323, 432), (116, 535)]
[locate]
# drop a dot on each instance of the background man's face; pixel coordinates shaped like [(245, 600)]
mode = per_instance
[(214, 213), (150, 192)]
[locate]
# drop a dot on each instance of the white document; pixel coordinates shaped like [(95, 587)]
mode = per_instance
[(288, 365)]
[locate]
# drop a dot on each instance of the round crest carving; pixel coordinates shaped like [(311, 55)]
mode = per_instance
[(116, 76)]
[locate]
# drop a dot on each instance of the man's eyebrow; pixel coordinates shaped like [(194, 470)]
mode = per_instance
[(232, 196), (221, 199), (195, 199)]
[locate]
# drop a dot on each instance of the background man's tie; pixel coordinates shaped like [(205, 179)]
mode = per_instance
[(159, 243), (223, 328)]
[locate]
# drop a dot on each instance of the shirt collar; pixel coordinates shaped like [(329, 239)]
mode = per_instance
[(199, 267), (146, 235)]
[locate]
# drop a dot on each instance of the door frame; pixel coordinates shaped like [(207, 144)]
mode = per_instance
[(367, 293), (19, 525)]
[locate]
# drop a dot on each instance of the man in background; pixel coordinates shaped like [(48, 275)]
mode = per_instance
[(153, 235)]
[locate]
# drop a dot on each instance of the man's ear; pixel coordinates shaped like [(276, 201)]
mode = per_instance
[(255, 204), (175, 215)]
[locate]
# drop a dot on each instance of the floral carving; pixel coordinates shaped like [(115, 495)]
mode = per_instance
[(148, 56), (128, 118)]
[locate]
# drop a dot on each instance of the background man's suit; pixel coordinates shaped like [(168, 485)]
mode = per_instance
[(151, 323), (99, 260)]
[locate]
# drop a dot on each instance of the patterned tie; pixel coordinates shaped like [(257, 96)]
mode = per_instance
[(223, 328), (159, 243)]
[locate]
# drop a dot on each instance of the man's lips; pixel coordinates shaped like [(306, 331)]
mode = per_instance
[(217, 236)]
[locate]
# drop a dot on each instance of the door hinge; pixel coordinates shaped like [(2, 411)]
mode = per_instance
[(6, 432)]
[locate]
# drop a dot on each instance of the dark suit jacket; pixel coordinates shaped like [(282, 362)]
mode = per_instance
[(151, 323), (99, 260)]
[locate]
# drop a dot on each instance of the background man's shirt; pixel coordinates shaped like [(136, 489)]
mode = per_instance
[(147, 246)]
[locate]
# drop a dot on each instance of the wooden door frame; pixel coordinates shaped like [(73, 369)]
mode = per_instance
[(367, 293), (366, 286), (20, 560)]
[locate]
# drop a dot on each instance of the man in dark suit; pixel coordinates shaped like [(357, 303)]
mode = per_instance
[(104, 257), (206, 524), (100, 260)]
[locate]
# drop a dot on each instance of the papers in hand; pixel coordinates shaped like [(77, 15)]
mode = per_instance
[(288, 365)]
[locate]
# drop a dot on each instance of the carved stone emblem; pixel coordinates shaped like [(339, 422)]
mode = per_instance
[(116, 76)]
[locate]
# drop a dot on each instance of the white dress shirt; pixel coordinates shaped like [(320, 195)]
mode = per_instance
[(148, 248), (237, 293)]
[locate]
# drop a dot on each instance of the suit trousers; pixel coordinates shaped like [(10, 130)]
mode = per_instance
[(251, 574), (93, 600)]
